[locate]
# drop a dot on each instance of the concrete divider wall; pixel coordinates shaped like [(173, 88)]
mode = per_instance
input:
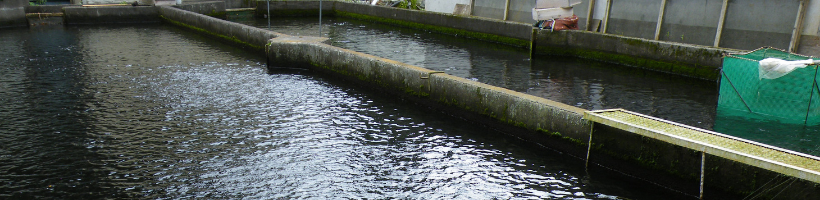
[(553, 121), (239, 33), (13, 13), (111, 14), (676, 58)]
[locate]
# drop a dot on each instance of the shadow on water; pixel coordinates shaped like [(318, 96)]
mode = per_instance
[(44, 105)]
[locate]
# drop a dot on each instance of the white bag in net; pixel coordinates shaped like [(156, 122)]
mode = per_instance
[(772, 68)]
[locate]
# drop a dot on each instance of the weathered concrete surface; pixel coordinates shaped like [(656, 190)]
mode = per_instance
[(677, 58), (13, 13), (231, 31), (47, 8), (210, 8), (111, 14)]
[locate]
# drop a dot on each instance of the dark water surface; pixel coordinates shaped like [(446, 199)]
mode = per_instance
[(581, 83), (153, 112)]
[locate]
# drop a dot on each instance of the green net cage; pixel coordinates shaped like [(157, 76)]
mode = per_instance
[(791, 98)]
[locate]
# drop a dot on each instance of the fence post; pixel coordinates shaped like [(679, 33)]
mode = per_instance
[(606, 16)]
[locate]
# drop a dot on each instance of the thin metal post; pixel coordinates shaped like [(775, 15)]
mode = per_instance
[(606, 15), (268, 14), (720, 22), (320, 18), (798, 26), (589, 147), (702, 171), (506, 10), (472, 7), (589, 13), (660, 20)]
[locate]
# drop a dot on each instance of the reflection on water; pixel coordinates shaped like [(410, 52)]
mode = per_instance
[(581, 83), (148, 111)]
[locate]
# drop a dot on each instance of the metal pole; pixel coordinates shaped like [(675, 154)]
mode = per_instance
[(589, 13), (268, 14), (472, 7), (660, 20), (720, 22), (320, 18), (506, 10), (606, 15), (702, 172), (798, 26)]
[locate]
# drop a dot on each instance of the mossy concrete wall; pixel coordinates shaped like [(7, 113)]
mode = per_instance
[(676, 58), (537, 119), (697, 61), (230, 31), (13, 13), (111, 14)]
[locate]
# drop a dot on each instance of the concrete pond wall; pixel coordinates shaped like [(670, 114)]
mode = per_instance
[(551, 124), (13, 13), (702, 62)]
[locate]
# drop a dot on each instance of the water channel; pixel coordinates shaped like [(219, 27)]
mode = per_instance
[(151, 111), (581, 83)]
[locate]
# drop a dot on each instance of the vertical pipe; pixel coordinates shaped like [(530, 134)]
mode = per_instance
[(320, 18), (589, 147), (606, 15), (720, 22), (660, 20), (798, 26), (472, 7), (589, 13), (506, 10), (702, 170), (268, 14)]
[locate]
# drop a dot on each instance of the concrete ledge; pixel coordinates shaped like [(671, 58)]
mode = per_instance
[(231, 31), (676, 58), (210, 8), (111, 14)]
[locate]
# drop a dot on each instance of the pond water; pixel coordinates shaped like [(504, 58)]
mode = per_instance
[(155, 112)]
